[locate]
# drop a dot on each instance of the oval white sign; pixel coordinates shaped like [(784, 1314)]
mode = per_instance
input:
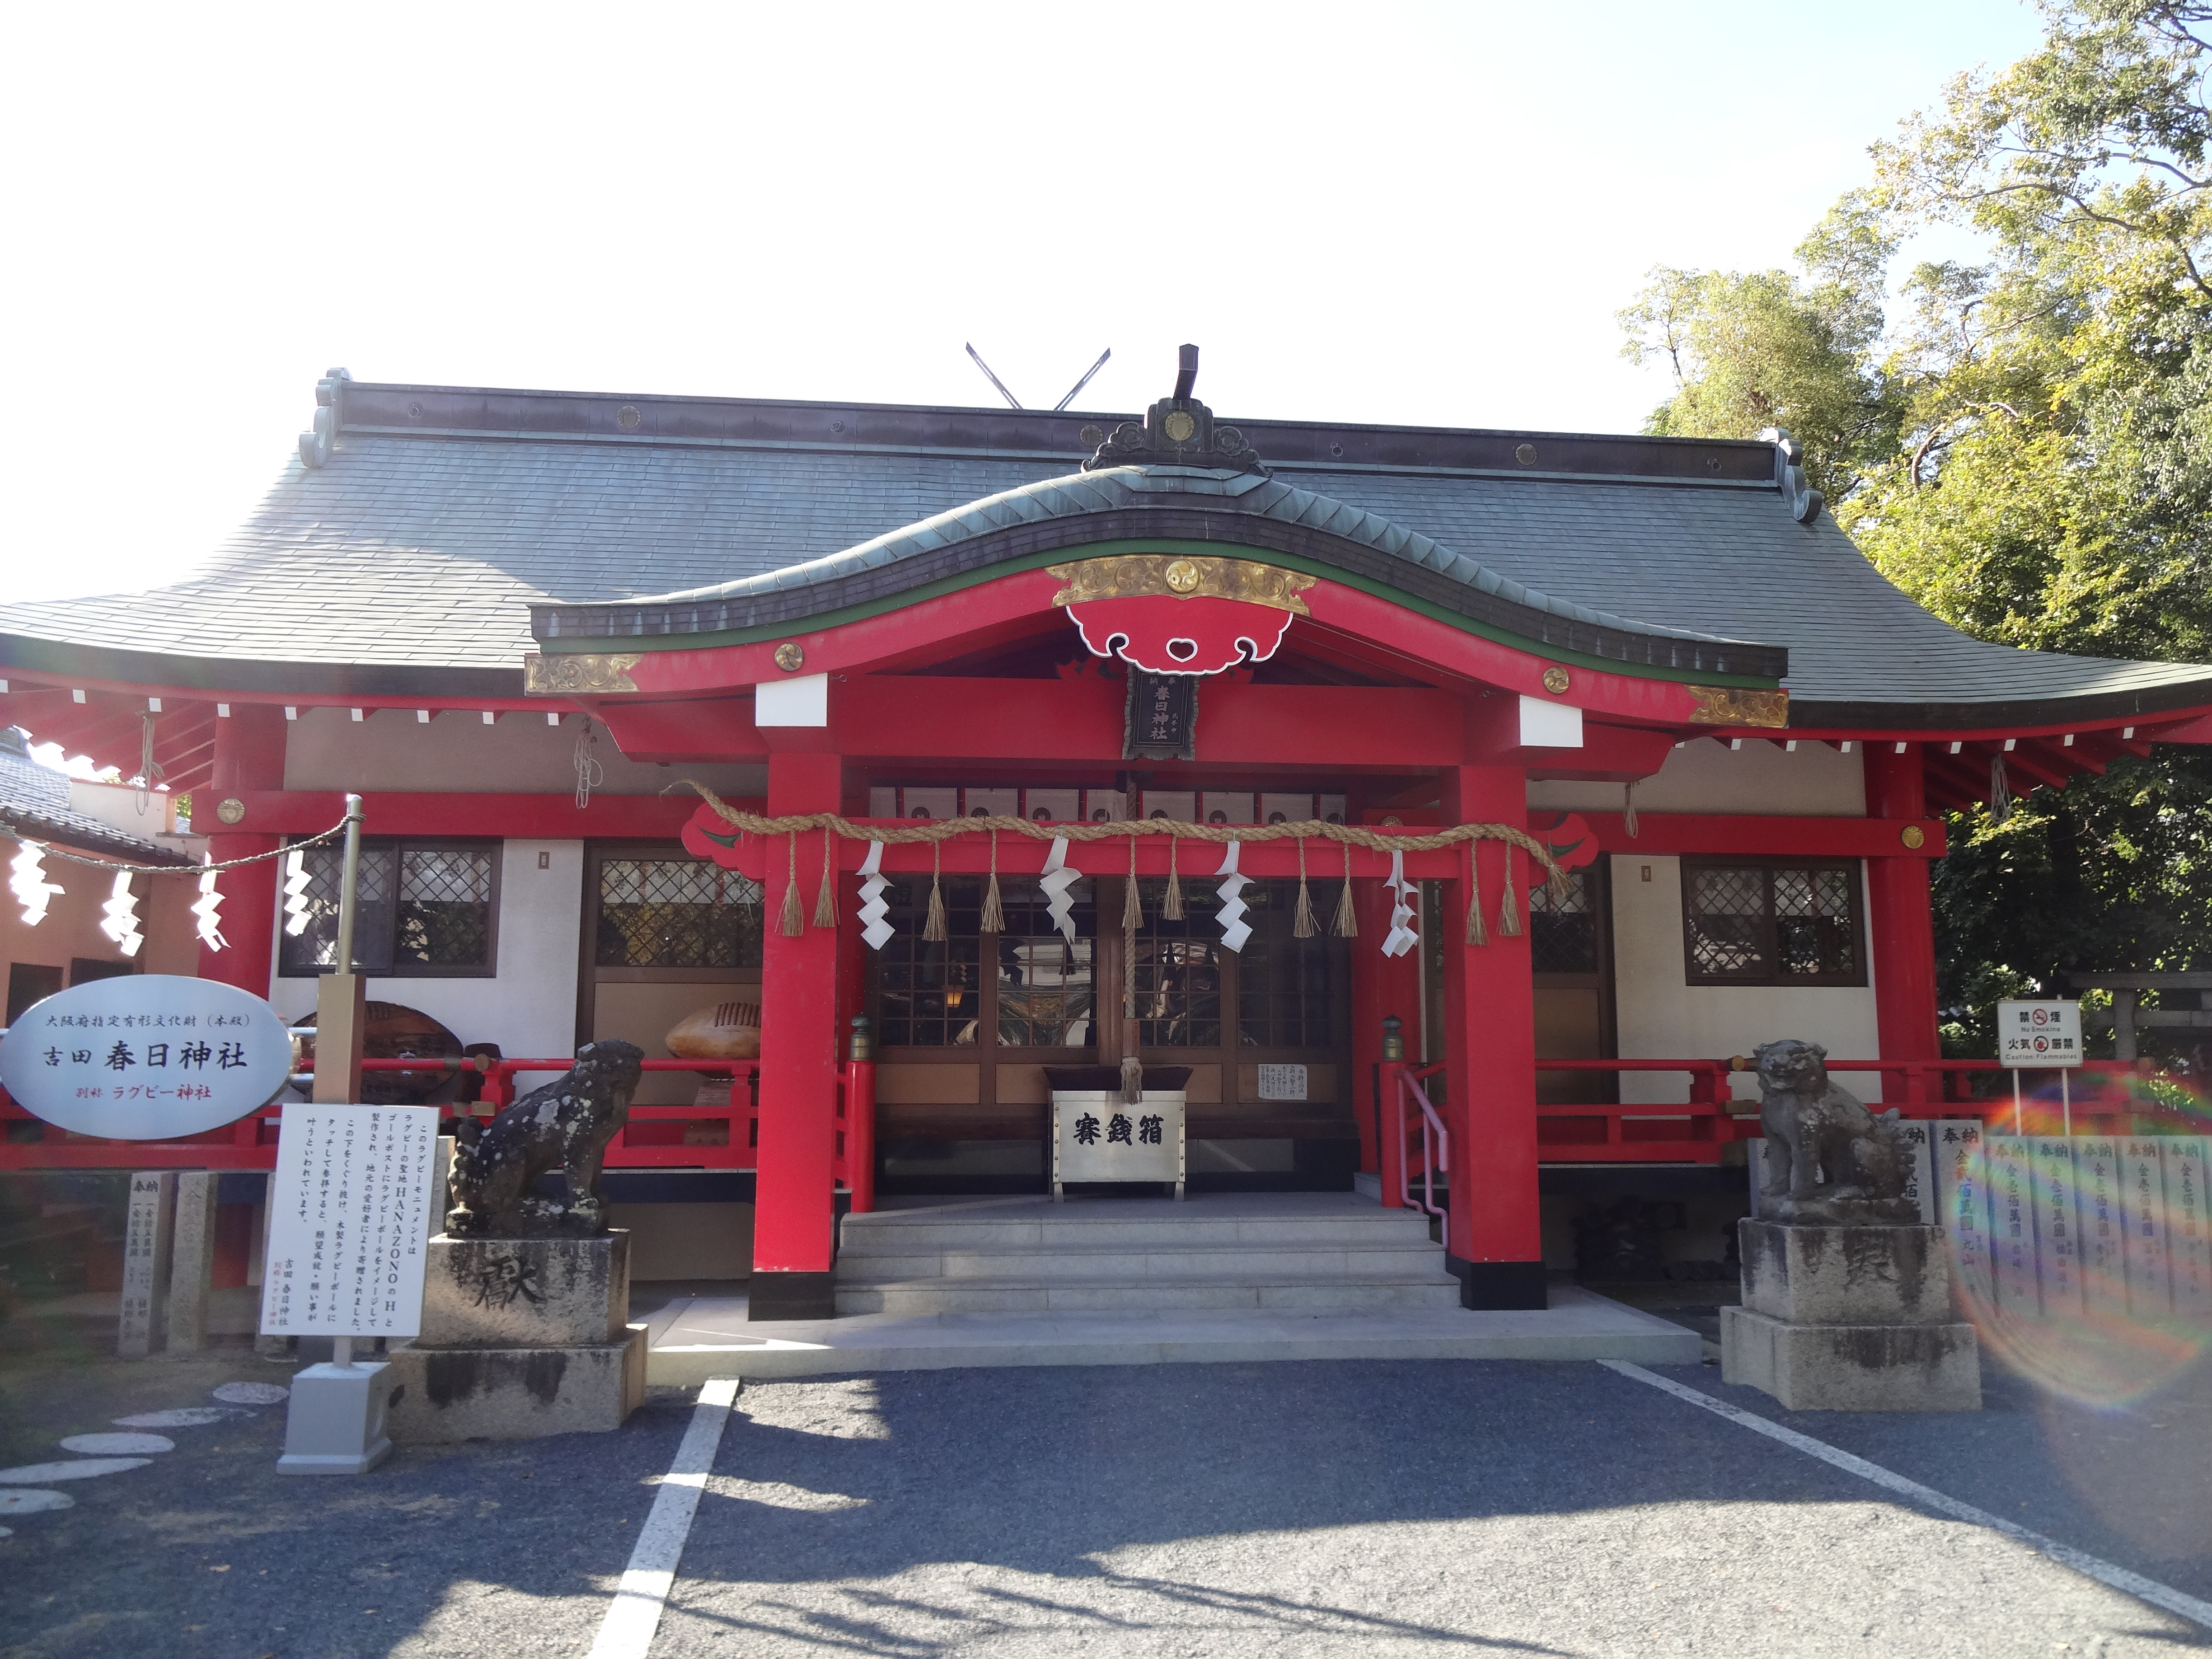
[(146, 1056)]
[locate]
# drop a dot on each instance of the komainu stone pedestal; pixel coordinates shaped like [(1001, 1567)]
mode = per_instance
[(1850, 1318), (521, 1337)]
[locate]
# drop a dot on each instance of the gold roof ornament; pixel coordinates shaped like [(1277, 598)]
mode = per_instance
[(566, 673), (1728, 705), (1128, 574)]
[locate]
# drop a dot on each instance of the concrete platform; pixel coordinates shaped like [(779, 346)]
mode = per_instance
[(696, 1338)]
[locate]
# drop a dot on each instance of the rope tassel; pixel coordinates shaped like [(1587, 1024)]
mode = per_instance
[(1133, 907), (932, 926), (1345, 923), (1508, 912), (995, 915), (1476, 933), (1172, 906), (1302, 921), (792, 923), (825, 902)]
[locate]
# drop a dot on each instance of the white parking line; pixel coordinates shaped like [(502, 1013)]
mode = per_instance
[(627, 1631), (2131, 1583)]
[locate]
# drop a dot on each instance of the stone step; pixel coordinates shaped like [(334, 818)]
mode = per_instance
[(908, 1233), (1287, 1293), (1361, 1261)]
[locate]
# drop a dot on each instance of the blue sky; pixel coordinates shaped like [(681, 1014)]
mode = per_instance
[(1390, 213)]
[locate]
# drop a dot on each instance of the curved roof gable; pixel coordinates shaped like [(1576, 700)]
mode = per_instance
[(1167, 501)]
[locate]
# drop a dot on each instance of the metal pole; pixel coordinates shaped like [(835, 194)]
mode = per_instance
[(2017, 1126), (348, 882), (341, 1350), (2066, 1099)]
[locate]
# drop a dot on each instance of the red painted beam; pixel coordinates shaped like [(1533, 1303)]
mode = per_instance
[(529, 818), (1703, 833)]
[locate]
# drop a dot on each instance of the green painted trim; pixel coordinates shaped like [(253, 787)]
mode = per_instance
[(1028, 562)]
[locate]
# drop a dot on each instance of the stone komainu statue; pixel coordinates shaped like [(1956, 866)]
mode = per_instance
[(1828, 1159), (566, 1125)]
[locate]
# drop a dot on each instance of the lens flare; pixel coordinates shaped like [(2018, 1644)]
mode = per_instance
[(2085, 1260)]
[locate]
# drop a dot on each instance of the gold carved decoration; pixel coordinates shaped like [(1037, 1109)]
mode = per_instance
[(1557, 680), (1131, 573), (231, 809), (1179, 426), (565, 673), (791, 656), (1913, 835), (1720, 705)]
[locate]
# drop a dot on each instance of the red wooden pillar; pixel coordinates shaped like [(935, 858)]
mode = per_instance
[(1901, 923), (794, 1199), (249, 755), (1494, 1243), (1380, 986)]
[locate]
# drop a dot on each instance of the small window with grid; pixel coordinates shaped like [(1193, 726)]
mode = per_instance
[(930, 993), (1778, 922), (1287, 990), (1043, 978), (676, 913), (1178, 969), (423, 909), (1563, 932)]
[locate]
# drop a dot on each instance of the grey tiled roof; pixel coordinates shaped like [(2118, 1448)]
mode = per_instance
[(421, 554), (35, 800)]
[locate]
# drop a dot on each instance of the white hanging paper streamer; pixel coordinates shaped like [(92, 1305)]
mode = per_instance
[(1234, 929), (1401, 938), (120, 916), (26, 879), (208, 908), (874, 930), (297, 911), (1055, 881)]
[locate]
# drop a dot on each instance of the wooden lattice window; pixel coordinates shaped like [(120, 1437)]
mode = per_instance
[(1780, 921), (1563, 932), (424, 909), (676, 913)]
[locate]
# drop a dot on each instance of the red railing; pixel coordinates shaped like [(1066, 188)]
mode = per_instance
[(1695, 1131), (251, 1142)]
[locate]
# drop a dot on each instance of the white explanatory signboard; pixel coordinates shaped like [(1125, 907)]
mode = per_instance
[(2031, 1035), (350, 1217), (146, 1056)]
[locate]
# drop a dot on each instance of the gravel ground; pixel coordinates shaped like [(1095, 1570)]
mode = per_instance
[(1187, 1509)]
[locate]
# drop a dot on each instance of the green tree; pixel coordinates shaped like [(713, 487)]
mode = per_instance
[(2022, 444)]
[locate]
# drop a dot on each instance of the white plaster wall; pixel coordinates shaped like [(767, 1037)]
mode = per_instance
[(520, 754), (529, 1008), (1661, 1015), (1705, 776)]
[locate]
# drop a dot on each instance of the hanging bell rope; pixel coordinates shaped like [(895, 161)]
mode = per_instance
[(1133, 907), (1172, 906)]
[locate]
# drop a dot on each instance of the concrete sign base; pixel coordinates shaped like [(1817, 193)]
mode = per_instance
[(335, 1425)]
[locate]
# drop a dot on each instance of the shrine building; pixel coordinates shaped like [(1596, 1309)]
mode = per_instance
[(1666, 757)]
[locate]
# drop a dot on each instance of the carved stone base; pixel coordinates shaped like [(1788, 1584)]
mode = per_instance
[(1850, 1318), (1853, 1368), (525, 1292), (1853, 1275), (447, 1394)]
